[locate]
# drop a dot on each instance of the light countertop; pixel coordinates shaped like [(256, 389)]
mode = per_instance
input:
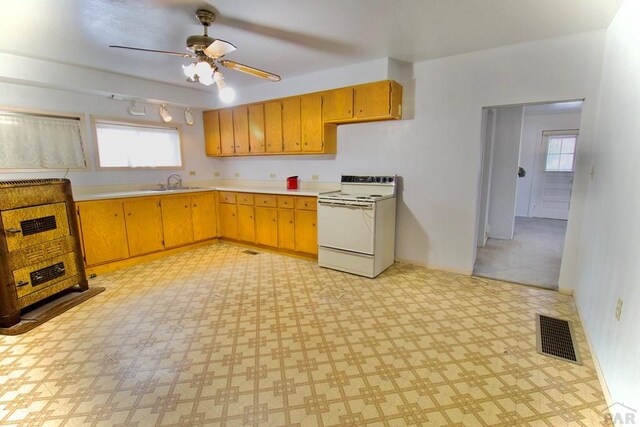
[(225, 187)]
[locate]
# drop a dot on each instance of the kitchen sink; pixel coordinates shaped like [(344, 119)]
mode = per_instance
[(181, 188)]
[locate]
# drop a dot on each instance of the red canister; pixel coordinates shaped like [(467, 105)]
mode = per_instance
[(292, 183)]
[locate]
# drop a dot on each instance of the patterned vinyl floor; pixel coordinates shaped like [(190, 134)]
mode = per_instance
[(215, 336)]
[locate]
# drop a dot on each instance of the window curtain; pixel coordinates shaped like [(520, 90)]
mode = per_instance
[(33, 142)]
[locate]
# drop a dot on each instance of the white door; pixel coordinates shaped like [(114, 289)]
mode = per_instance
[(553, 175)]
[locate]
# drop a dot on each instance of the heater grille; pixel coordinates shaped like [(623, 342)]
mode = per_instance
[(38, 225), (555, 338)]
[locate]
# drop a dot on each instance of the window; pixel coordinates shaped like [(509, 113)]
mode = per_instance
[(42, 140), (561, 151), (137, 145)]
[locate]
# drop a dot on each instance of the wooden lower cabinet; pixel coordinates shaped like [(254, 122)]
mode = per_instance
[(266, 226), (117, 229), (246, 224), (203, 213), (306, 231), (286, 229), (177, 222), (284, 222), (104, 234), (228, 216), (144, 226)]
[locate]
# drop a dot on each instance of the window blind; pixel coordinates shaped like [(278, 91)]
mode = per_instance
[(38, 141)]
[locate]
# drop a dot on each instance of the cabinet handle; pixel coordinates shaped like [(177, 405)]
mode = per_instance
[(13, 230), (115, 214), (21, 284), (195, 206), (129, 214)]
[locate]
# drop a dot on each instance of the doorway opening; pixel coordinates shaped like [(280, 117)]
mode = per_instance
[(525, 187)]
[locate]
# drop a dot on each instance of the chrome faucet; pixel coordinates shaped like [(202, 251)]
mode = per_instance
[(177, 179)]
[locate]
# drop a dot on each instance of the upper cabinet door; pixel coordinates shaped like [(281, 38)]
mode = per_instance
[(291, 124), (311, 122), (241, 129), (256, 128), (227, 141), (211, 124), (338, 104), (273, 126), (372, 100)]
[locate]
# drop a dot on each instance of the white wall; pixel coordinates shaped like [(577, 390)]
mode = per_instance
[(608, 262), (75, 101), (504, 169), (438, 151), (532, 128)]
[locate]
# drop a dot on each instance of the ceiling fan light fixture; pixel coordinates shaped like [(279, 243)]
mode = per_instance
[(203, 68), (190, 71), (225, 93), (164, 114)]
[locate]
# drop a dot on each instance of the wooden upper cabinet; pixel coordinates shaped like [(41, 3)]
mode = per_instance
[(104, 234), (177, 222), (227, 141), (305, 124), (144, 225), (273, 126), (311, 122), (338, 104), (291, 124), (241, 129), (378, 100), (211, 123), (203, 212), (256, 128)]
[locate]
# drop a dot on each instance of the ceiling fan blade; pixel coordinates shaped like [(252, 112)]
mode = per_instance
[(250, 70), (219, 48), (167, 52)]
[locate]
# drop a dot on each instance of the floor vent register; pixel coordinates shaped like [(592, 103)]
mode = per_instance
[(555, 338)]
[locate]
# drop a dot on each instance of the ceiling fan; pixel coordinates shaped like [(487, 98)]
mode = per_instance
[(208, 53)]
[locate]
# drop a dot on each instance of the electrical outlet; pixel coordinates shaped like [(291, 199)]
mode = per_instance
[(315, 177), (216, 174), (192, 173), (272, 175), (619, 309), (237, 174)]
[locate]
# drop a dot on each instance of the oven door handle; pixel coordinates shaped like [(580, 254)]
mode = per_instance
[(13, 230), (349, 205)]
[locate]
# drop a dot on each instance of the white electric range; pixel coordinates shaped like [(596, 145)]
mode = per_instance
[(356, 225)]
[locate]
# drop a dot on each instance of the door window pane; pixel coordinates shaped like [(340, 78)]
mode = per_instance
[(561, 153)]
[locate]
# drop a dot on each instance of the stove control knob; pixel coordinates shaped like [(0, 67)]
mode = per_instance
[(390, 179), (384, 179), (378, 179)]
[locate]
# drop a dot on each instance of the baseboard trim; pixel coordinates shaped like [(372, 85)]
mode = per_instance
[(566, 291), (596, 363)]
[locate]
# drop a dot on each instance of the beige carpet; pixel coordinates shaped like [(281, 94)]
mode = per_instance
[(218, 337), (533, 257)]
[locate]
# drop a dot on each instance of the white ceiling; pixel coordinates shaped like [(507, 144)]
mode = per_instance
[(287, 37)]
